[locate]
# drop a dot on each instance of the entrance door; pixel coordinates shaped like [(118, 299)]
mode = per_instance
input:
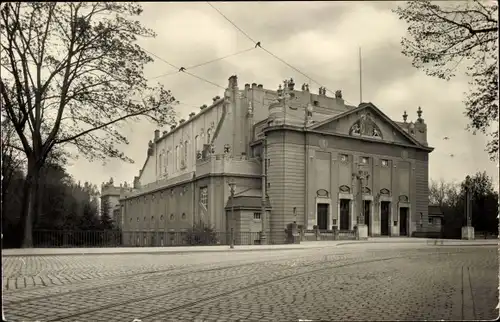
[(344, 214), (322, 220), (368, 220), (385, 207), (403, 221)]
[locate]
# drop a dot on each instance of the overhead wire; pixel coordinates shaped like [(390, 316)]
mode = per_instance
[(202, 64), (258, 44)]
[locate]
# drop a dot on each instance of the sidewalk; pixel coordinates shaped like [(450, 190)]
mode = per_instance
[(426, 241), (162, 250), (242, 248)]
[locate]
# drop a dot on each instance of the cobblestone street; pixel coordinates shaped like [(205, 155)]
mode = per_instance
[(350, 282)]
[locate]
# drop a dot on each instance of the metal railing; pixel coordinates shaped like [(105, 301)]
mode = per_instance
[(114, 238), (320, 235)]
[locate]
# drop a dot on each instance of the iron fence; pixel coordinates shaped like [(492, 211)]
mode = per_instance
[(315, 235), (114, 238), (75, 238)]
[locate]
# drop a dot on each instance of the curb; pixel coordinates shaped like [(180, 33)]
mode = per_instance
[(166, 252), (421, 242)]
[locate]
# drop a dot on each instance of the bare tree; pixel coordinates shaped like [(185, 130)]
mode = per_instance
[(71, 74), (443, 36), (443, 193)]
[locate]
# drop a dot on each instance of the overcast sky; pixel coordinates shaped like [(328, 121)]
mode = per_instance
[(319, 38)]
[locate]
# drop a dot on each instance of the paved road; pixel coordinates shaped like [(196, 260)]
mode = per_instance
[(351, 282)]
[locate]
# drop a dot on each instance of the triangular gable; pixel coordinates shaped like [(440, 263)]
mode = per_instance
[(374, 124)]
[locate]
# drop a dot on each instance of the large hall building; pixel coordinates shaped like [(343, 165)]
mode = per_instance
[(288, 155)]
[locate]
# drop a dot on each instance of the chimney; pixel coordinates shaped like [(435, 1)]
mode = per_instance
[(260, 86), (157, 135), (233, 81), (247, 86)]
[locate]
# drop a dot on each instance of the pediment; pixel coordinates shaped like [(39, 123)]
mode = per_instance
[(366, 121)]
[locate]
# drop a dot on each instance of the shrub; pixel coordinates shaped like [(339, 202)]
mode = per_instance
[(201, 234)]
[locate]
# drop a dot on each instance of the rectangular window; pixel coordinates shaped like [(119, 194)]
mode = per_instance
[(204, 196), (344, 157), (364, 160), (256, 215), (385, 163)]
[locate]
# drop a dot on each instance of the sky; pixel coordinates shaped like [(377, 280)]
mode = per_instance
[(322, 39)]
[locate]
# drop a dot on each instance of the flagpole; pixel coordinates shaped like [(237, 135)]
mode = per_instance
[(360, 79)]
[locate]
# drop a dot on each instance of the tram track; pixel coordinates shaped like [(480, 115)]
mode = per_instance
[(170, 295), (131, 280)]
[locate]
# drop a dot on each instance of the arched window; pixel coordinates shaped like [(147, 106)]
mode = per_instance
[(167, 156), (160, 162), (176, 157), (186, 153), (209, 135), (196, 147), (180, 156)]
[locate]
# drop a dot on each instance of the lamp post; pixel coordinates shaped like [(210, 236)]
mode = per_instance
[(231, 187), (468, 201)]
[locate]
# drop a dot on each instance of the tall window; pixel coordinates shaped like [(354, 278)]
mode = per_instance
[(204, 196), (160, 161), (167, 156), (180, 156), (185, 154), (176, 158), (209, 135), (196, 138)]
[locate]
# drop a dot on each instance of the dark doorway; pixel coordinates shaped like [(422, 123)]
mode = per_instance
[(385, 209), (367, 210), (403, 221), (344, 214), (322, 216)]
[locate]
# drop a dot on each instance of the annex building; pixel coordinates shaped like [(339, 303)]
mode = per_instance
[(288, 155)]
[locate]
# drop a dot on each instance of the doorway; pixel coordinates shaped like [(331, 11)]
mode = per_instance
[(344, 214), (367, 211), (403, 221), (322, 220), (385, 208)]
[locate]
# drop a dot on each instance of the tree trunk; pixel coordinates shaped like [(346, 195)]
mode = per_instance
[(32, 178)]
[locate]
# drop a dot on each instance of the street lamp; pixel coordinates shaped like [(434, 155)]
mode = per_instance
[(231, 187)]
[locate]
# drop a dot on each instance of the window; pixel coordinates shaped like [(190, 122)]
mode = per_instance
[(204, 196), (185, 156), (130, 219), (144, 218), (152, 218), (256, 216), (385, 163), (161, 217), (196, 145), (431, 221), (176, 157), (161, 162), (183, 216), (343, 157), (167, 156), (137, 219), (364, 160), (209, 135), (172, 217)]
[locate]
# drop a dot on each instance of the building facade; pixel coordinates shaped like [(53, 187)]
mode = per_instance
[(257, 159)]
